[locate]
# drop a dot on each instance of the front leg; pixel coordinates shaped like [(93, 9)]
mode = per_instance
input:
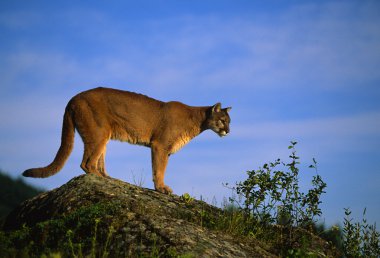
[(160, 159)]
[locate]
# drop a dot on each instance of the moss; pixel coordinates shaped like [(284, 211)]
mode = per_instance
[(54, 235)]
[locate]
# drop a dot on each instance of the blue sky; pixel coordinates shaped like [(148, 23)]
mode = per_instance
[(291, 70)]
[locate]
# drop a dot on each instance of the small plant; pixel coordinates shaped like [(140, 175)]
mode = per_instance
[(93, 240), (138, 180), (187, 198), (233, 220), (106, 245), (360, 239), (69, 235), (332, 234)]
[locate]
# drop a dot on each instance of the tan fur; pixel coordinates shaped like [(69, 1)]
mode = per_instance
[(104, 114)]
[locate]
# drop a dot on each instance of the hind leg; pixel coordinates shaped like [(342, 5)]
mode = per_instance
[(101, 164), (95, 131), (93, 158)]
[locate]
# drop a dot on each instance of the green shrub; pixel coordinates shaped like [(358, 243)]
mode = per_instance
[(360, 239), (273, 206), (272, 195)]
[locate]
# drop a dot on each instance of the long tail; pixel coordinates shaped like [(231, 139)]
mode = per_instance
[(67, 143)]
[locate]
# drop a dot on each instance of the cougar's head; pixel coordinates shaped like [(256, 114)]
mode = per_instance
[(218, 120)]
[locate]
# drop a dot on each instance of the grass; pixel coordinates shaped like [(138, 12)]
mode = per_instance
[(71, 235)]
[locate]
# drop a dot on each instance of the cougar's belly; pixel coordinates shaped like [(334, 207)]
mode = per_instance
[(130, 136)]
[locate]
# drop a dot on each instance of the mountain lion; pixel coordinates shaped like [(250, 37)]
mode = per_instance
[(102, 114)]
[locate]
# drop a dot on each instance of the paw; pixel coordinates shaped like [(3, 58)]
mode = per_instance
[(164, 189)]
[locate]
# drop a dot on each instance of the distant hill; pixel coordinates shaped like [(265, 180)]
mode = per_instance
[(13, 192)]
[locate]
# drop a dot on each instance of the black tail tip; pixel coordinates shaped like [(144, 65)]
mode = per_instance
[(27, 173)]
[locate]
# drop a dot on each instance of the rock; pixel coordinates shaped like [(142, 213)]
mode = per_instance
[(108, 217)]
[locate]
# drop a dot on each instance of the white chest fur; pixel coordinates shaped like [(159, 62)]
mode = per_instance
[(179, 143)]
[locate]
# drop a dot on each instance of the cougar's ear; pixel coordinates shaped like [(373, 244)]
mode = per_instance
[(217, 107), (228, 109)]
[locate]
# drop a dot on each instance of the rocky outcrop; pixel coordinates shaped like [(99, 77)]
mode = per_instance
[(108, 217)]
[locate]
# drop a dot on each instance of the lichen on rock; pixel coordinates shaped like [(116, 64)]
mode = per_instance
[(108, 217)]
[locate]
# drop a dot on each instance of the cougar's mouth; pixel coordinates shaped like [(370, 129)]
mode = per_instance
[(222, 133)]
